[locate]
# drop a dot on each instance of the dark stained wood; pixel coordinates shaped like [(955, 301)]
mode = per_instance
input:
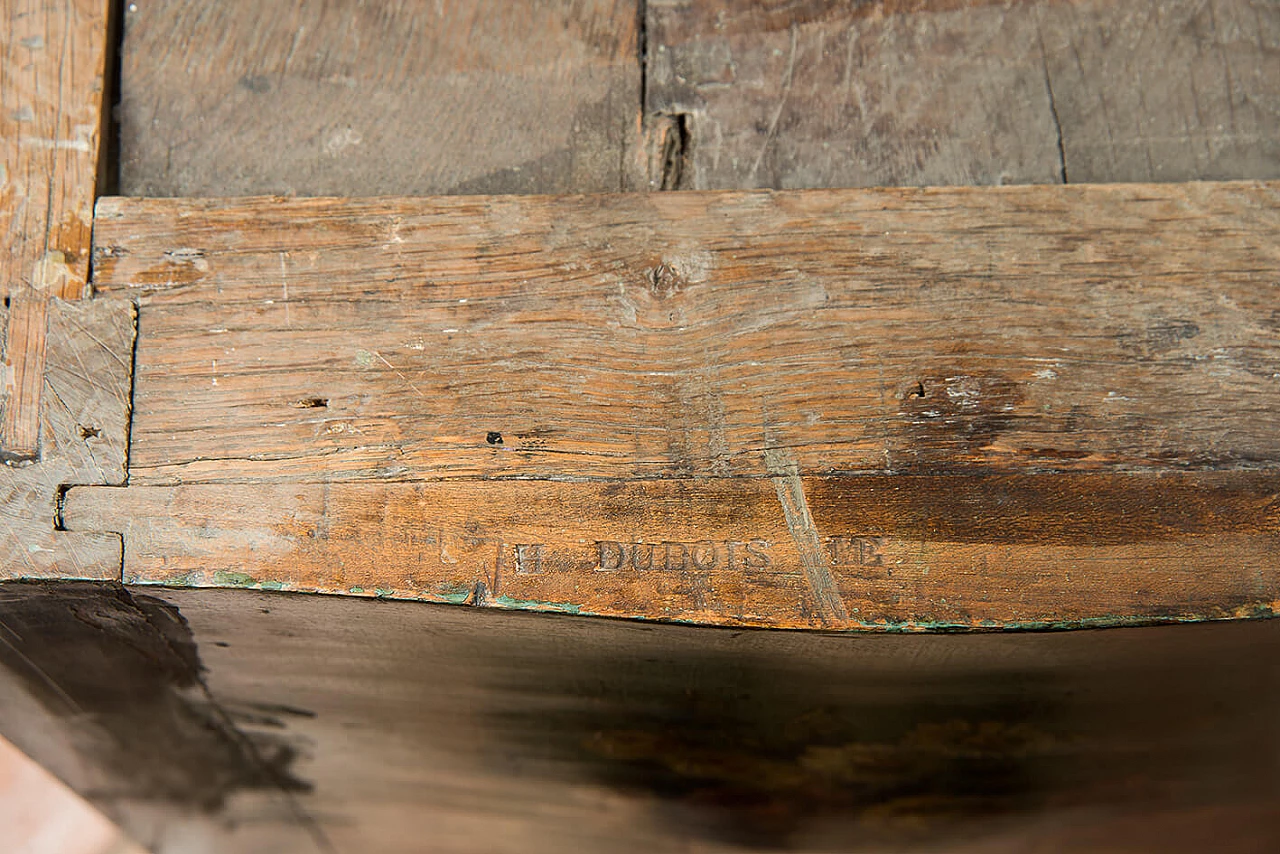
[(1014, 407), (314, 97), (886, 92), (401, 727)]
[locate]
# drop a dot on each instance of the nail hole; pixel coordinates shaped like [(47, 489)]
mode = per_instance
[(6, 302), (89, 432), (493, 438), (310, 403)]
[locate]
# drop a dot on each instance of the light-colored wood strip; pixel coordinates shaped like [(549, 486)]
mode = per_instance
[(24, 377), (52, 64), (675, 335), (895, 551), (51, 80)]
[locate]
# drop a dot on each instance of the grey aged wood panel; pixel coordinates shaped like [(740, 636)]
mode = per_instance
[(822, 94), (315, 97)]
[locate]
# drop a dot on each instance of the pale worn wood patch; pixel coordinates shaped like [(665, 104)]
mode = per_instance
[(83, 439), (346, 98), (788, 95)]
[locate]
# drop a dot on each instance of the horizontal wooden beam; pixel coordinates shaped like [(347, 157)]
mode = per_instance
[(1004, 407), (886, 551), (1014, 329)]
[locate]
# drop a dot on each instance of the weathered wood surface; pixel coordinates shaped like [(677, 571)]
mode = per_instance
[(894, 408), (52, 58), (253, 723), (824, 94), (1016, 329), (885, 551), (314, 97), (51, 73), (83, 439)]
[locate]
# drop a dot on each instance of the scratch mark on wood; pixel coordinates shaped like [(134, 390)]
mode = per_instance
[(785, 472), (777, 113)]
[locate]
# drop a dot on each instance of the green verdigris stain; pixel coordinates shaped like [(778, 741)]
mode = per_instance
[(223, 578), (533, 605), (364, 359), (355, 589), (454, 594)]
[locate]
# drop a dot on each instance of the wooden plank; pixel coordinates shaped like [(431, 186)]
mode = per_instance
[(913, 92), (24, 348), (1178, 91), (84, 439), (888, 551), (1011, 407), (1017, 329), (52, 59), (51, 72), (314, 97), (393, 727)]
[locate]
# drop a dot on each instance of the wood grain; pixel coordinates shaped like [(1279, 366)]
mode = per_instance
[(391, 727), (314, 97), (84, 439), (908, 409), (51, 72), (52, 59), (24, 347), (677, 335), (888, 551), (789, 95)]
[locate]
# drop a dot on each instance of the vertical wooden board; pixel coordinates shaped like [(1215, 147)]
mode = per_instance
[(1166, 91), (51, 80), (348, 98), (24, 352), (783, 94)]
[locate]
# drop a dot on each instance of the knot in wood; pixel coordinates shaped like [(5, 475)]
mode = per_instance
[(664, 281)]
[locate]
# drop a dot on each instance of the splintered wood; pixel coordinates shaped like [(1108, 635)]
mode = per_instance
[(895, 408)]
